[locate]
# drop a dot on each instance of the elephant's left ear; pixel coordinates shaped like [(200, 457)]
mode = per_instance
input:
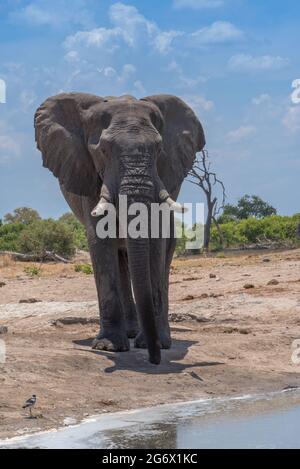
[(183, 137)]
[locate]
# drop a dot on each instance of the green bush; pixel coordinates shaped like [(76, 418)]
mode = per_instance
[(33, 271), (274, 228), (9, 236), (84, 268), (47, 235), (80, 238)]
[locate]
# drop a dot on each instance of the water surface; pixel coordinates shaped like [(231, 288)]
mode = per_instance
[(263, 421)]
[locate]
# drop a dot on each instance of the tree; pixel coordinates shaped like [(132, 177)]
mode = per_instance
[(79, 232), (202, 176), (9, 236), (47, 235), (22, 215), (247, 206)]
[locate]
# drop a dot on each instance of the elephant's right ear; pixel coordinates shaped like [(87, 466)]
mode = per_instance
[(59, 132)]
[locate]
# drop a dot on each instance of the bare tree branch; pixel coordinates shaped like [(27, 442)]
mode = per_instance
[(207, 180)]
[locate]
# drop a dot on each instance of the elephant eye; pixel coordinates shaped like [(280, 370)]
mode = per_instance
[(105, 120)]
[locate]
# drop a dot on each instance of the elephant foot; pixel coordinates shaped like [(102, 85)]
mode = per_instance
[(164, 337), (114, 342)]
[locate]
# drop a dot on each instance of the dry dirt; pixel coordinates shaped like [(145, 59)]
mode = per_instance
[(227, 339)]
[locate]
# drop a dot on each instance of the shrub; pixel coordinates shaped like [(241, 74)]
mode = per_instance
[(221, 255), (33, 271), (80, 238), (274, 228), (47, 235), (84, 268), (9, 237)]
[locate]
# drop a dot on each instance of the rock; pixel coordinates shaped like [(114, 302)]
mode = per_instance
[(69, 321), (214, 295), (3, 330), (188, 298), (248, 286), (189, 279), (212, 276), (2, 284), (30, 301), (266, 259), (231, 330), (273, 282)]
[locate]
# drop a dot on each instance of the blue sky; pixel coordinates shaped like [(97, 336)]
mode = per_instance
[(233, 61)]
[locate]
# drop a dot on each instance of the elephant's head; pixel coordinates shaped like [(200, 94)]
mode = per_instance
[(104, 147)]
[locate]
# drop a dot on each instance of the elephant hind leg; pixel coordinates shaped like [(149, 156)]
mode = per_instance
[(132, 324)]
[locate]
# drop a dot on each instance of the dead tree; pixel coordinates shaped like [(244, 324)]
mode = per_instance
[(202, 176)]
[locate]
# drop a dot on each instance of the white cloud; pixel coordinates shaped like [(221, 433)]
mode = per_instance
[(163, 41), (72, 56), (242, 133), (217, 32), (197, 4), (181, 79), (132, 30), (128, 70), (198, 103), (55, 13), (131, 22), (98, 37), (245, 62), (109, 72), (262, 98), (291, 120)]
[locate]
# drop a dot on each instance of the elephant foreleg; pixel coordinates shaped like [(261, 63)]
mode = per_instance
[(104, 255)]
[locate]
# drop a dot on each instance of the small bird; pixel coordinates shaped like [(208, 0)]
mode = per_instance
[(30, 403)]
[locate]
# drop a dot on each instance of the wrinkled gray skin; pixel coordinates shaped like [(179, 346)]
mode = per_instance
[(103, 147)]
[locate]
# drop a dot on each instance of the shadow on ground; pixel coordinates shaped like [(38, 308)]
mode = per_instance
[(137, 359)]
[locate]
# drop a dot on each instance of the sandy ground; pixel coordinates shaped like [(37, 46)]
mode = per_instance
[(227, 340)]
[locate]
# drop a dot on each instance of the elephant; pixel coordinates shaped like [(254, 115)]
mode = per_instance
[(101, 148)]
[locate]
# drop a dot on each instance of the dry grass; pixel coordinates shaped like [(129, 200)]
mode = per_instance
[(6, 261), (14, 269)]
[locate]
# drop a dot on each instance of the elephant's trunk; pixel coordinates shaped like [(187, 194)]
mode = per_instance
[(139, 266), (138, 185)]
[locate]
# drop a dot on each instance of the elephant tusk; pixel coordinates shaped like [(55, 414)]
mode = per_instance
[(177, 207), (100, 208)]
